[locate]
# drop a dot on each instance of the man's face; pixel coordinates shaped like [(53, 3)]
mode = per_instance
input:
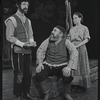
[(55, 34), (23, 7)]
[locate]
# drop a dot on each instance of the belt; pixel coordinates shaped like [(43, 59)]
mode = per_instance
[(55, 65)]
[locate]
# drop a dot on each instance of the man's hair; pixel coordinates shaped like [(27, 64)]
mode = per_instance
[(18, 2)]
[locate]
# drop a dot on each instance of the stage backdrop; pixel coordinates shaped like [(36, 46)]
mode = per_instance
[(45, 14)]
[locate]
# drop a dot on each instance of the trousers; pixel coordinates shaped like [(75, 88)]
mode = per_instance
[(22, 73), (42, 76)]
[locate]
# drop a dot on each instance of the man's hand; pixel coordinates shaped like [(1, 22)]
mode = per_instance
[(29, 45), (25, 46), (34, 44), (66, 71), (39, 68)]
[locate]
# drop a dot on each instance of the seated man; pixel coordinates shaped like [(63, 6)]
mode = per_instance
[(53, 59)]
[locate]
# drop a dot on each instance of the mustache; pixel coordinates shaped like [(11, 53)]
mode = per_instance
[(25, 8), (52, 35), (53, 38)]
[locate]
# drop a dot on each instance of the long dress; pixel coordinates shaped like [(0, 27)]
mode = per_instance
[(82, 75)]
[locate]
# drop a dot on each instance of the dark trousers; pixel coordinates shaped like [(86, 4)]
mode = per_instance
[(22, 73), (51, 71)]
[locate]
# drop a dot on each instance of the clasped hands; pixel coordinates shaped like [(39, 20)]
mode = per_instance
[(66, 70), (29, 45)]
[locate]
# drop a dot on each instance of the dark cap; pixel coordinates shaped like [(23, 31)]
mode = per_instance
[(61, 29)]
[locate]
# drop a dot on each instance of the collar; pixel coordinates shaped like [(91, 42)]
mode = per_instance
[(20, 14)]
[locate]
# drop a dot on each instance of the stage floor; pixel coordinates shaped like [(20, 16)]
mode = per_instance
[(7, 89)]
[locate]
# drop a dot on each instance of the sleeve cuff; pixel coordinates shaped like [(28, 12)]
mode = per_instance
[(31, 40), (19, 43)]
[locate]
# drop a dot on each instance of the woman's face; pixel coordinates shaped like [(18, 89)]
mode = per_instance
[(76, 19)]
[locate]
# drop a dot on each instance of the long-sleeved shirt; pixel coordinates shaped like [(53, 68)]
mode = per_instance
[(73, 53), (10, 28)]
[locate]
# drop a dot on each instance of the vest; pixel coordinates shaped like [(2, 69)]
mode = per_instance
[(57, 54), (21, 34)]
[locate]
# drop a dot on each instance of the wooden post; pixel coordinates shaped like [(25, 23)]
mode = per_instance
[(67, 24), (68, 16)]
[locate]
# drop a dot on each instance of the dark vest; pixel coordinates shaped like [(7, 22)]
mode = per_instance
[(57, 54), (21, 33)]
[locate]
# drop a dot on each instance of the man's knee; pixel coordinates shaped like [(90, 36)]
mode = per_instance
[(40, 76)]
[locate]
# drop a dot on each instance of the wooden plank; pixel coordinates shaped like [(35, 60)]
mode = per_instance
[(93, 63), (94, 77), (94, 70)]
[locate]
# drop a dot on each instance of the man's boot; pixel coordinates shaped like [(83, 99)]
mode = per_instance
[(67, 87), (66, 92), (45, 85)]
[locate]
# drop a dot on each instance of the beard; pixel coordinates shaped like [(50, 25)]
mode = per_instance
[(53, 38), (24, 10)]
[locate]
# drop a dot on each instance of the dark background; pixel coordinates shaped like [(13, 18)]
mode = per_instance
[(45, 14)]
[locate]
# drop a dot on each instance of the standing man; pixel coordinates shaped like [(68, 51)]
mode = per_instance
[(19, 33), (56, 56)]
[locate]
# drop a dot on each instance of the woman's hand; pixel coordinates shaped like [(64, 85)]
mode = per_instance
[(76, 46), (82, 43)]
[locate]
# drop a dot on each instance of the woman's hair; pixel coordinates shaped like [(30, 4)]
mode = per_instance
[(79, 15)]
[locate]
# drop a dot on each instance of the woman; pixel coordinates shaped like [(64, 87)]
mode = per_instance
[(79, 36)]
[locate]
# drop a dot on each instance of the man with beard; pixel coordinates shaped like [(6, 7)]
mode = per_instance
[(56, 56), (19, 32)]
